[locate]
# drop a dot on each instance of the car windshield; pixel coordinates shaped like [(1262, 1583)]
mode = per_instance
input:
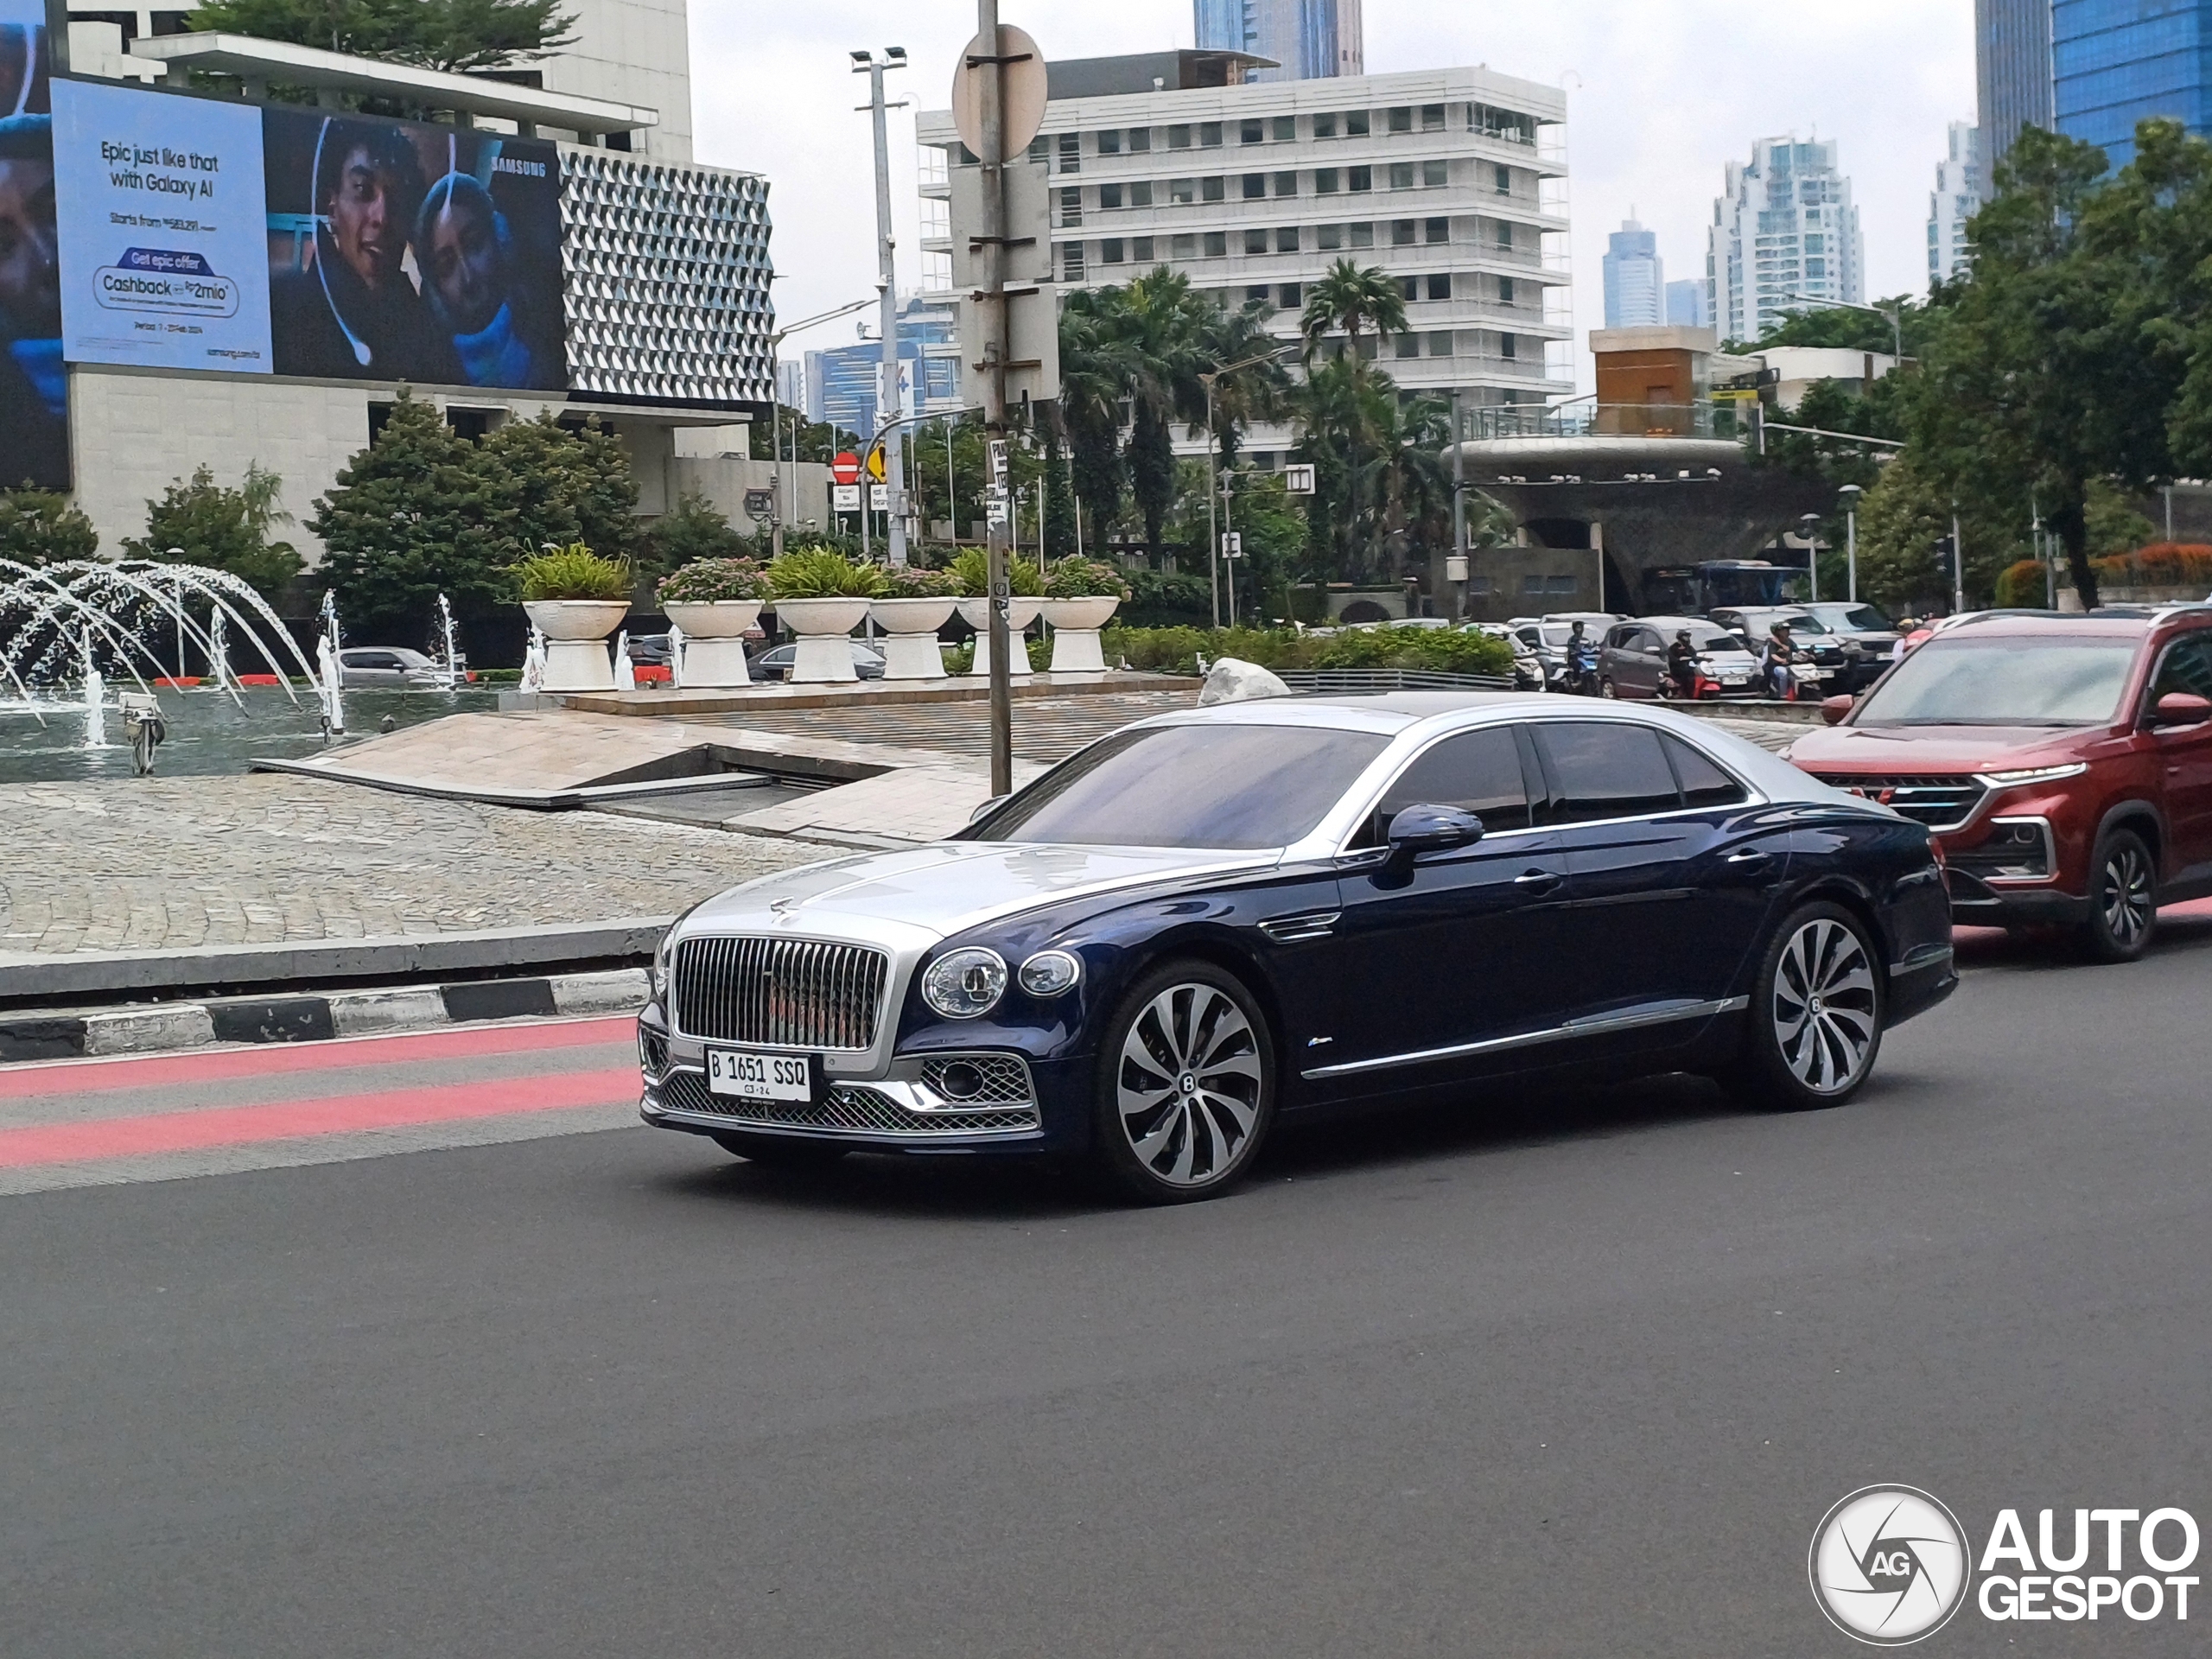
[(1189, 785), (1857, 619), (1992, 681), (1711, 639), (1556, 634)]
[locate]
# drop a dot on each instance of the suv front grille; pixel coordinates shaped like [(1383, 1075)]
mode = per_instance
[(1940, 803), (780, 993), (851, 1107)]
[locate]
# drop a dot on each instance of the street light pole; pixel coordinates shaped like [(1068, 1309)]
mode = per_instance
[(1811, 521), (1958, 567), (886, 394), (1459, 506), (991, 313), (1850, 492)]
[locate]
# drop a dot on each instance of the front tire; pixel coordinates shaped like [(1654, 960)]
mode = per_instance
[(1606, 689), (774, 1152), (2123, 898), (1186, 1085), (1814, 1026)]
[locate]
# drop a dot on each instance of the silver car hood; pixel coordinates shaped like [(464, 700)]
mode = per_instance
[(916, 897)]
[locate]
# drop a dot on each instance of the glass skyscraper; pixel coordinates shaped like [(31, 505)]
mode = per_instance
[(1635, 282), (1310, 39), (2114, 62), (2011, 56)]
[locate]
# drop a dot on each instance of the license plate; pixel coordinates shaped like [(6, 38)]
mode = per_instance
[(1733, 679), (759, 1076)]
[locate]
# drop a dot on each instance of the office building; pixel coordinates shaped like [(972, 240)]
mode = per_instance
[(1686, 304), (1635, 281), (1955, 199), (1451, 181), (842, 382), (1784, 238), (2012, 59), (1304, 40), (2116, 62)]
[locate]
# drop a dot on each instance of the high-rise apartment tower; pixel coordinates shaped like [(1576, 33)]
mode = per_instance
[(1308, 40)]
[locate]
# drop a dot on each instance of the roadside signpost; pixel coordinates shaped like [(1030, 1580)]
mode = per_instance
[(845, 467), (845, 498), (1298, 479)]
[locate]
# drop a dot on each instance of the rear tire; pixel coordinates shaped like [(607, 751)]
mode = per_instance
[(1814, 1029), (774, 1152), (1186, 1085), (1606, 689), (2123, 898)]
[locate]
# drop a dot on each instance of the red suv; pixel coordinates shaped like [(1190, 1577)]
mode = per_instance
[(2065, 762)]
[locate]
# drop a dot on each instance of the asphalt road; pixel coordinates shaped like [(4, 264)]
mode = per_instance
[(1577, 1376)]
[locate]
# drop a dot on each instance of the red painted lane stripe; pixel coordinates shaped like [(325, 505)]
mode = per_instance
[(213, 1065), (125, 1137)]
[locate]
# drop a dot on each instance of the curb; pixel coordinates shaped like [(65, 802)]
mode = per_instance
[(171, 1026)]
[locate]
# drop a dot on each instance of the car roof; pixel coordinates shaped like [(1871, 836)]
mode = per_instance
[(1671, 623), (2051, 624)]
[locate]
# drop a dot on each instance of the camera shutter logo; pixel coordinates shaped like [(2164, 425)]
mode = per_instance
[(1889, 1565)]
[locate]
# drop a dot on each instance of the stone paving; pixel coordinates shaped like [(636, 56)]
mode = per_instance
[(173, 864)]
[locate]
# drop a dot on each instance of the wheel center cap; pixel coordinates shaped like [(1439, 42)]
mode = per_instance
[(1188, 1084), (1816, 1005)]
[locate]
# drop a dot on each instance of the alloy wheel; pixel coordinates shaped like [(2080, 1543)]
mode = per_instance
[(1188, 1085), (1825, 1006), (2125, 894)]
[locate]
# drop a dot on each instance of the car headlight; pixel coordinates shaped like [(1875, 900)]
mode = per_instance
[(2030, 775), (965, 984), (657, 975), (1049, 973)]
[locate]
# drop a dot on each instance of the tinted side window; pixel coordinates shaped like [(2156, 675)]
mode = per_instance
[(1606, 770), (1703, 783), (2187, 667), (1479, 770)]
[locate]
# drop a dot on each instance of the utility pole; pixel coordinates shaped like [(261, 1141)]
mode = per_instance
[(1850, 492), (997, 343), (1459, 506), (888, 408), (1958, 567)]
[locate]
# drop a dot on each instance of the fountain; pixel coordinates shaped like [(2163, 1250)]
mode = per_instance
[(95, 696), (453, 657)]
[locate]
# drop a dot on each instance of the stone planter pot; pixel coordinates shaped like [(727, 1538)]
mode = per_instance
[(822, 626), (1019, 613), (910, 645), (713, 639), (1076, 623), (575, 632)]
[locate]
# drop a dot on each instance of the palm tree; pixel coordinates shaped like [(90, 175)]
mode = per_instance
[(1169, 322), (1353, 300), (1097, 374), (1249, 382)]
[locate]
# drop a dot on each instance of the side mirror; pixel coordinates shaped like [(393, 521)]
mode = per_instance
[(1423, 829), (1836, 711), (991, 806), (2179, 708)]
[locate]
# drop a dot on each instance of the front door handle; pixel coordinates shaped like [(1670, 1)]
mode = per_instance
[(1749, 856), (1537, 880)]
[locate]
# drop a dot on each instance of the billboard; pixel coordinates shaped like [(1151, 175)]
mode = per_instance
[(33, 384), (403, 251), (164, 261)]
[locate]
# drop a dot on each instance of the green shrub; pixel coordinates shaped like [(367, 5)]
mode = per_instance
[(2022, 585), (41, 527), (1080, 578), (705, 581), (1443, 651), (914, 581), (971, 569), (823, 573), (573, 572)]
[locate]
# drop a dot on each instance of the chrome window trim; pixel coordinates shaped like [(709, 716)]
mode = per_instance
[(1591, 1025), (2050, 853)]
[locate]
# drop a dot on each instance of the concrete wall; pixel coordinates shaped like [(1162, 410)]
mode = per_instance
[(723, 480), (636, 52)]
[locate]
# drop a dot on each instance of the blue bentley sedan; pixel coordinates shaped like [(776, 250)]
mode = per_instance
[(1209, 921)]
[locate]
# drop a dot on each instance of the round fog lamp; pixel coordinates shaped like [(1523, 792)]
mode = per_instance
[(961, 1080), (963, 984), (1050, 972)]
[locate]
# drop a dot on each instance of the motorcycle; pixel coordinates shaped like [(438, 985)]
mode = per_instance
[(1582, 677)]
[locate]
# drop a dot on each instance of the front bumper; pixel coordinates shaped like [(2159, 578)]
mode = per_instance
[(1976, 903), (1024, 1104)]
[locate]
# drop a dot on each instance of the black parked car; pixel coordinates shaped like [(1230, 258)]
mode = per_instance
[(1210, 919)]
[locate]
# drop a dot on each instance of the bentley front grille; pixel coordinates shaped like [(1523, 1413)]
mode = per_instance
[(803, 994), (853, 1108)]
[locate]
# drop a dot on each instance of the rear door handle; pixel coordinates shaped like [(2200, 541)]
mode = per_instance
[(1748, 856), (1538, 880)]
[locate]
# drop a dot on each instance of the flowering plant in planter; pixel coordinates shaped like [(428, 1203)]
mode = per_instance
[(705, 582), (823, 573), (1080, 578), (912, 582)]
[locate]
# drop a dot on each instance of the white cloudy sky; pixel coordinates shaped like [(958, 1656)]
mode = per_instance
[(1662, 94)]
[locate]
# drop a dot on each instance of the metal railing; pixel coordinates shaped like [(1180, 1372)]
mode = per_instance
[(1583, 418)]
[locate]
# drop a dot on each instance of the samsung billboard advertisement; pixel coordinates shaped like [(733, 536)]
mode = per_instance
[(34, 385), (200, 234)]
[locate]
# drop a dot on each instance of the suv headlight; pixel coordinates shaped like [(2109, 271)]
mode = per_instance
[(965, 984), (2030, 775)]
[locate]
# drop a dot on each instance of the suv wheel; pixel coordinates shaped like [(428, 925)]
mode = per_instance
[(2123, 898), (1814, 1026), (1186, 1085)]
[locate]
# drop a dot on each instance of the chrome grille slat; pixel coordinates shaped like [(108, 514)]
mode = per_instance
[(1942, 802), (849, 1107), (803, 994)]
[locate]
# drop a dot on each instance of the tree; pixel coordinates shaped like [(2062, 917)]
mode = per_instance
[(1356, 301), (696, 529), (409, 519), (204, 522), (41, 527), (457, 35), (546, 482), (1250, 384), (1167, 324), (1097, 372)]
